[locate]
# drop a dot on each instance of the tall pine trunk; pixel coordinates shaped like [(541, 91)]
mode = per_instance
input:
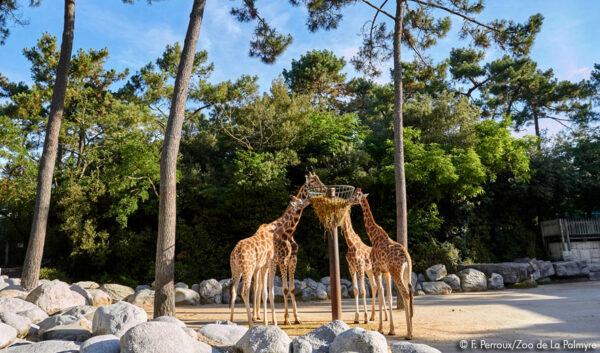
[(37, 237), (401, 219), (164, 299)]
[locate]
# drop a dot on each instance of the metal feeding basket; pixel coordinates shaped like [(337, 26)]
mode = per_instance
[(331, 207)]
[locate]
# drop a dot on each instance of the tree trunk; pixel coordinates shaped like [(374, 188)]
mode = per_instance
[(401, 227), (35, 248), (164, 299), (537, 125)]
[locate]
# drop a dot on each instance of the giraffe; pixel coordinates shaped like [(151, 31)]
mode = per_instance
[(392, 260), (286, 250), (359, 263), (253, 258)]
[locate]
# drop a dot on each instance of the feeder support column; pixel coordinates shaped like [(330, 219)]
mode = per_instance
[(334, 268)]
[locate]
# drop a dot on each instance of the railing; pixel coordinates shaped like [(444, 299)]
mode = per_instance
[(567, 230)]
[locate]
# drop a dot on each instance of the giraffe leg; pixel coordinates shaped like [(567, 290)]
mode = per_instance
[(283, 268), (385, 308), (256, 298), (271, 290), (379, 299), (292, 287), (233, 291), (388, 277), (263, 288), (356, 294), (373, 292), (361, 279), (246, 295), (405, 291)]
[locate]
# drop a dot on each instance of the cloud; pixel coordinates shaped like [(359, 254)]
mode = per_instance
[(580, 73)]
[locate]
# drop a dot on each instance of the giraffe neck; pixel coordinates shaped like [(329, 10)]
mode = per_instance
[(288, 222), (350, 235), (370, 224)]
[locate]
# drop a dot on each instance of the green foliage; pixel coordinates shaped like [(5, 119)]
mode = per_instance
[(52, 274), (429, 253)]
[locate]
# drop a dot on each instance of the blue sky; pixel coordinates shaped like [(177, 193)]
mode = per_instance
[(137, 34)]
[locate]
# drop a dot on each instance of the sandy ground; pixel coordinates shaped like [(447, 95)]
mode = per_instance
[(557, 312)]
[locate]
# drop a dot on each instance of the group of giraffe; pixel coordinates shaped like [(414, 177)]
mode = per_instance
[(255, 259)]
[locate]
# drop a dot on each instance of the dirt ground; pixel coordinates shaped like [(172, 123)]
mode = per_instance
[(557, 312)]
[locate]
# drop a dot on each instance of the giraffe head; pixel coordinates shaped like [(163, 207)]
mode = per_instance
[(312, 182), (357, 197), (298, 204)]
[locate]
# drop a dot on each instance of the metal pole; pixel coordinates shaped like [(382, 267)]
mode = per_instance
[(334, 269)]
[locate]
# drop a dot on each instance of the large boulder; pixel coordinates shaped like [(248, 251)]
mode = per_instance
[(173, 320), (8, 335), (223, 333), (61, 320), (181, 285), (84, 293), (436, 272), (117, 292), (10, 291), (436, 288), (117, 318), (87, 284), (55, 296), (86, 311), (142, 298), (575, 268), (511, 272), (99, 297), (160, 337), (453, 281), (319, 340), (545, 268), (18, 322), (321, 292), (142, 286), (210, 291), (359, 340), (72, 332), (308, 294), (472, 280), (101, 344), (409, 347), (264, 339), (495, 281), (184, 296), (56, 346), (23, 308), (592, 267)]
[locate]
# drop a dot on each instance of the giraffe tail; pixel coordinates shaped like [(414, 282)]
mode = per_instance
[(412, 298)]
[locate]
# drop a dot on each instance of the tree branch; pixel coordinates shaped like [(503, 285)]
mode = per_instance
[(470, 19), (379, 9)]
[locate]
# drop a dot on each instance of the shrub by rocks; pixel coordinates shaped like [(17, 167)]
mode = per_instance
[(8, 335), (495, 281), (225, 334), (18, 322), (184, 296), (359, 340), (210, 291), (408, 347), (117, 318), (319, 340), (160, 337), (101, 344), (45, 347), (264, 339), (117, 292), (453, 281), (436, 288), (23, 308), (55, 296), (436, 272), (472, 280)]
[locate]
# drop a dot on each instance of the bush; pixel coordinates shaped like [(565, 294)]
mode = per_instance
[(426, 254), (52, 274)]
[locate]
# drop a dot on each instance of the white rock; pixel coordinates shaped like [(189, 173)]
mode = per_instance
[(495, 281), (453, 281), (181, 285), (472, 280), (319, 340), (117, 292), (86, 311), (184, 296), (71, 332), (61, 320), (436, 288), (210, 291), (57, 346), (99, 297), (436, 272), (264, 339), (359, 340), (54, 296), (142, 286), (173, 320), (101, 344), (144, 297), (18, 322), (160, 337), (223, 334), (87, 284), (117, 318), (8, 335), (23, 308), (89, 300), (408, 347)]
